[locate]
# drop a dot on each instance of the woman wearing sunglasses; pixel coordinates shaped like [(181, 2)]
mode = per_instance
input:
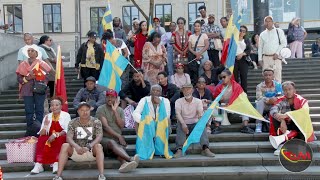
[(233, 89), (243, 59)]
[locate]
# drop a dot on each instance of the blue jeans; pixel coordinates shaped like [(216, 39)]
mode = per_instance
[(34, 105), (170, 60)]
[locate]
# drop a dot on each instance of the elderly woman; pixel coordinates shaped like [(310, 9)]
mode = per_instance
[(46, 43), (198, 46), (180, 78), (52, 136), (154, 58), (296, 36), (32, 80)]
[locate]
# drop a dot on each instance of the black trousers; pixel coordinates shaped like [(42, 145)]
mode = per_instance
[(214, 57), (51, 87), (87, 72), (241, 72), (290, 126)]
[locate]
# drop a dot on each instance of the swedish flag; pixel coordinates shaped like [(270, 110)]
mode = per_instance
[(162, 133), (196, 133), (106, 22), (146, 132), (150, 28), (113, 66)]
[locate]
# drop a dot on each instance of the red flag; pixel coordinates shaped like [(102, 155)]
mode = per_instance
[(60, 84)]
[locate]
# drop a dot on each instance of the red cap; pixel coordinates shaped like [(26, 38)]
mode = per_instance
[(179, 65), (111, 92), (155, 18)]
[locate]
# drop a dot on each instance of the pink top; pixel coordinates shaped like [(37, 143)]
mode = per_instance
[(180, 80), (189, 112)]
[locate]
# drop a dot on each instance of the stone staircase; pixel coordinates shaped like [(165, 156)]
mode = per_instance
[(238, 156)]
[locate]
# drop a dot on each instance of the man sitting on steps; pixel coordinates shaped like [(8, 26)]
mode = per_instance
[(83, 141), (112, 119), (189, 110), (266, 94)]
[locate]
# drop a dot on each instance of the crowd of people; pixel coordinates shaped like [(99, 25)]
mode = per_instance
[(182, 68)]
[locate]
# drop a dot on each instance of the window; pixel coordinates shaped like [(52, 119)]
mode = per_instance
[(283, 10), (193, 12), (311, 10), (52, 18), (13, 15), (247, 16), (164, 13), (128, 14), (96, 15)]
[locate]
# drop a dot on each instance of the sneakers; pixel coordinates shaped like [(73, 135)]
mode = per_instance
[(216, 130), (38, 168), (101, 177), (55, 168), (136, 158), (277, 152), (247, 130), (57, 178), (207, 152), (178, 154), (128, 166), (259, 128)]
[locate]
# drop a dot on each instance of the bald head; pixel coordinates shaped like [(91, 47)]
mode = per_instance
[(28, 39)]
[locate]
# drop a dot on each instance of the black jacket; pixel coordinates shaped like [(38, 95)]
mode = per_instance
[(171, 91), (82, 54)]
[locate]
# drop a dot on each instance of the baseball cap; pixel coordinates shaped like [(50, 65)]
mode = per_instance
[(92, 34), (211, 15), (91, 78), (111, 92), (83, 103), (187, 85), (179, 65)]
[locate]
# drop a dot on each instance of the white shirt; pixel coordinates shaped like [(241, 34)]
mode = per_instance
[(241, 47), (201, 18), (269, 42), (138, 111)]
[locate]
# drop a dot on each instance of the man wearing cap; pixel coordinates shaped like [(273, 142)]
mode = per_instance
[(90, 94), (83, 141), (188, 111), (203, 12), (213, 32), (271, 41), (135, 90), (112, 119), (90, 57), (157, 28)]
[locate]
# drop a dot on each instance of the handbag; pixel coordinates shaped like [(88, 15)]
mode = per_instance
[(21, 150), (39, 87), (217, 44)]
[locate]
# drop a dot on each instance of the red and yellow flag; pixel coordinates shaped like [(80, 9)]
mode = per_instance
[(60, 84), (239, 103)]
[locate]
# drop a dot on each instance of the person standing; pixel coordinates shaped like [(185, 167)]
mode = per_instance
[(90, 58), (139, 40), (167, 41), (241, 64), (271, 41), (154, 58), (224, 24), (298, 34), (46, 43), (157, 27), (118, 31), (198, 46), (254, 50), (203, 14), (213, 32)]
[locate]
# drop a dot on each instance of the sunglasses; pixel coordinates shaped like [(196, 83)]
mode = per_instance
[(223, 77), (243, 31)]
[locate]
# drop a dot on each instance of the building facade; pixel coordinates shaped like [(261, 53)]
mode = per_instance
[(68, 21)]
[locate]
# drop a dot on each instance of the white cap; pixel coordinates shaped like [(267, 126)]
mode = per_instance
[(285, 52)]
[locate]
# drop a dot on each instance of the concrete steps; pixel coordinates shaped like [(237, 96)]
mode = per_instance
[(175, 173)]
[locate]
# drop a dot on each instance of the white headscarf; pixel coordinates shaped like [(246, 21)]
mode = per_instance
[(33, 46)]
